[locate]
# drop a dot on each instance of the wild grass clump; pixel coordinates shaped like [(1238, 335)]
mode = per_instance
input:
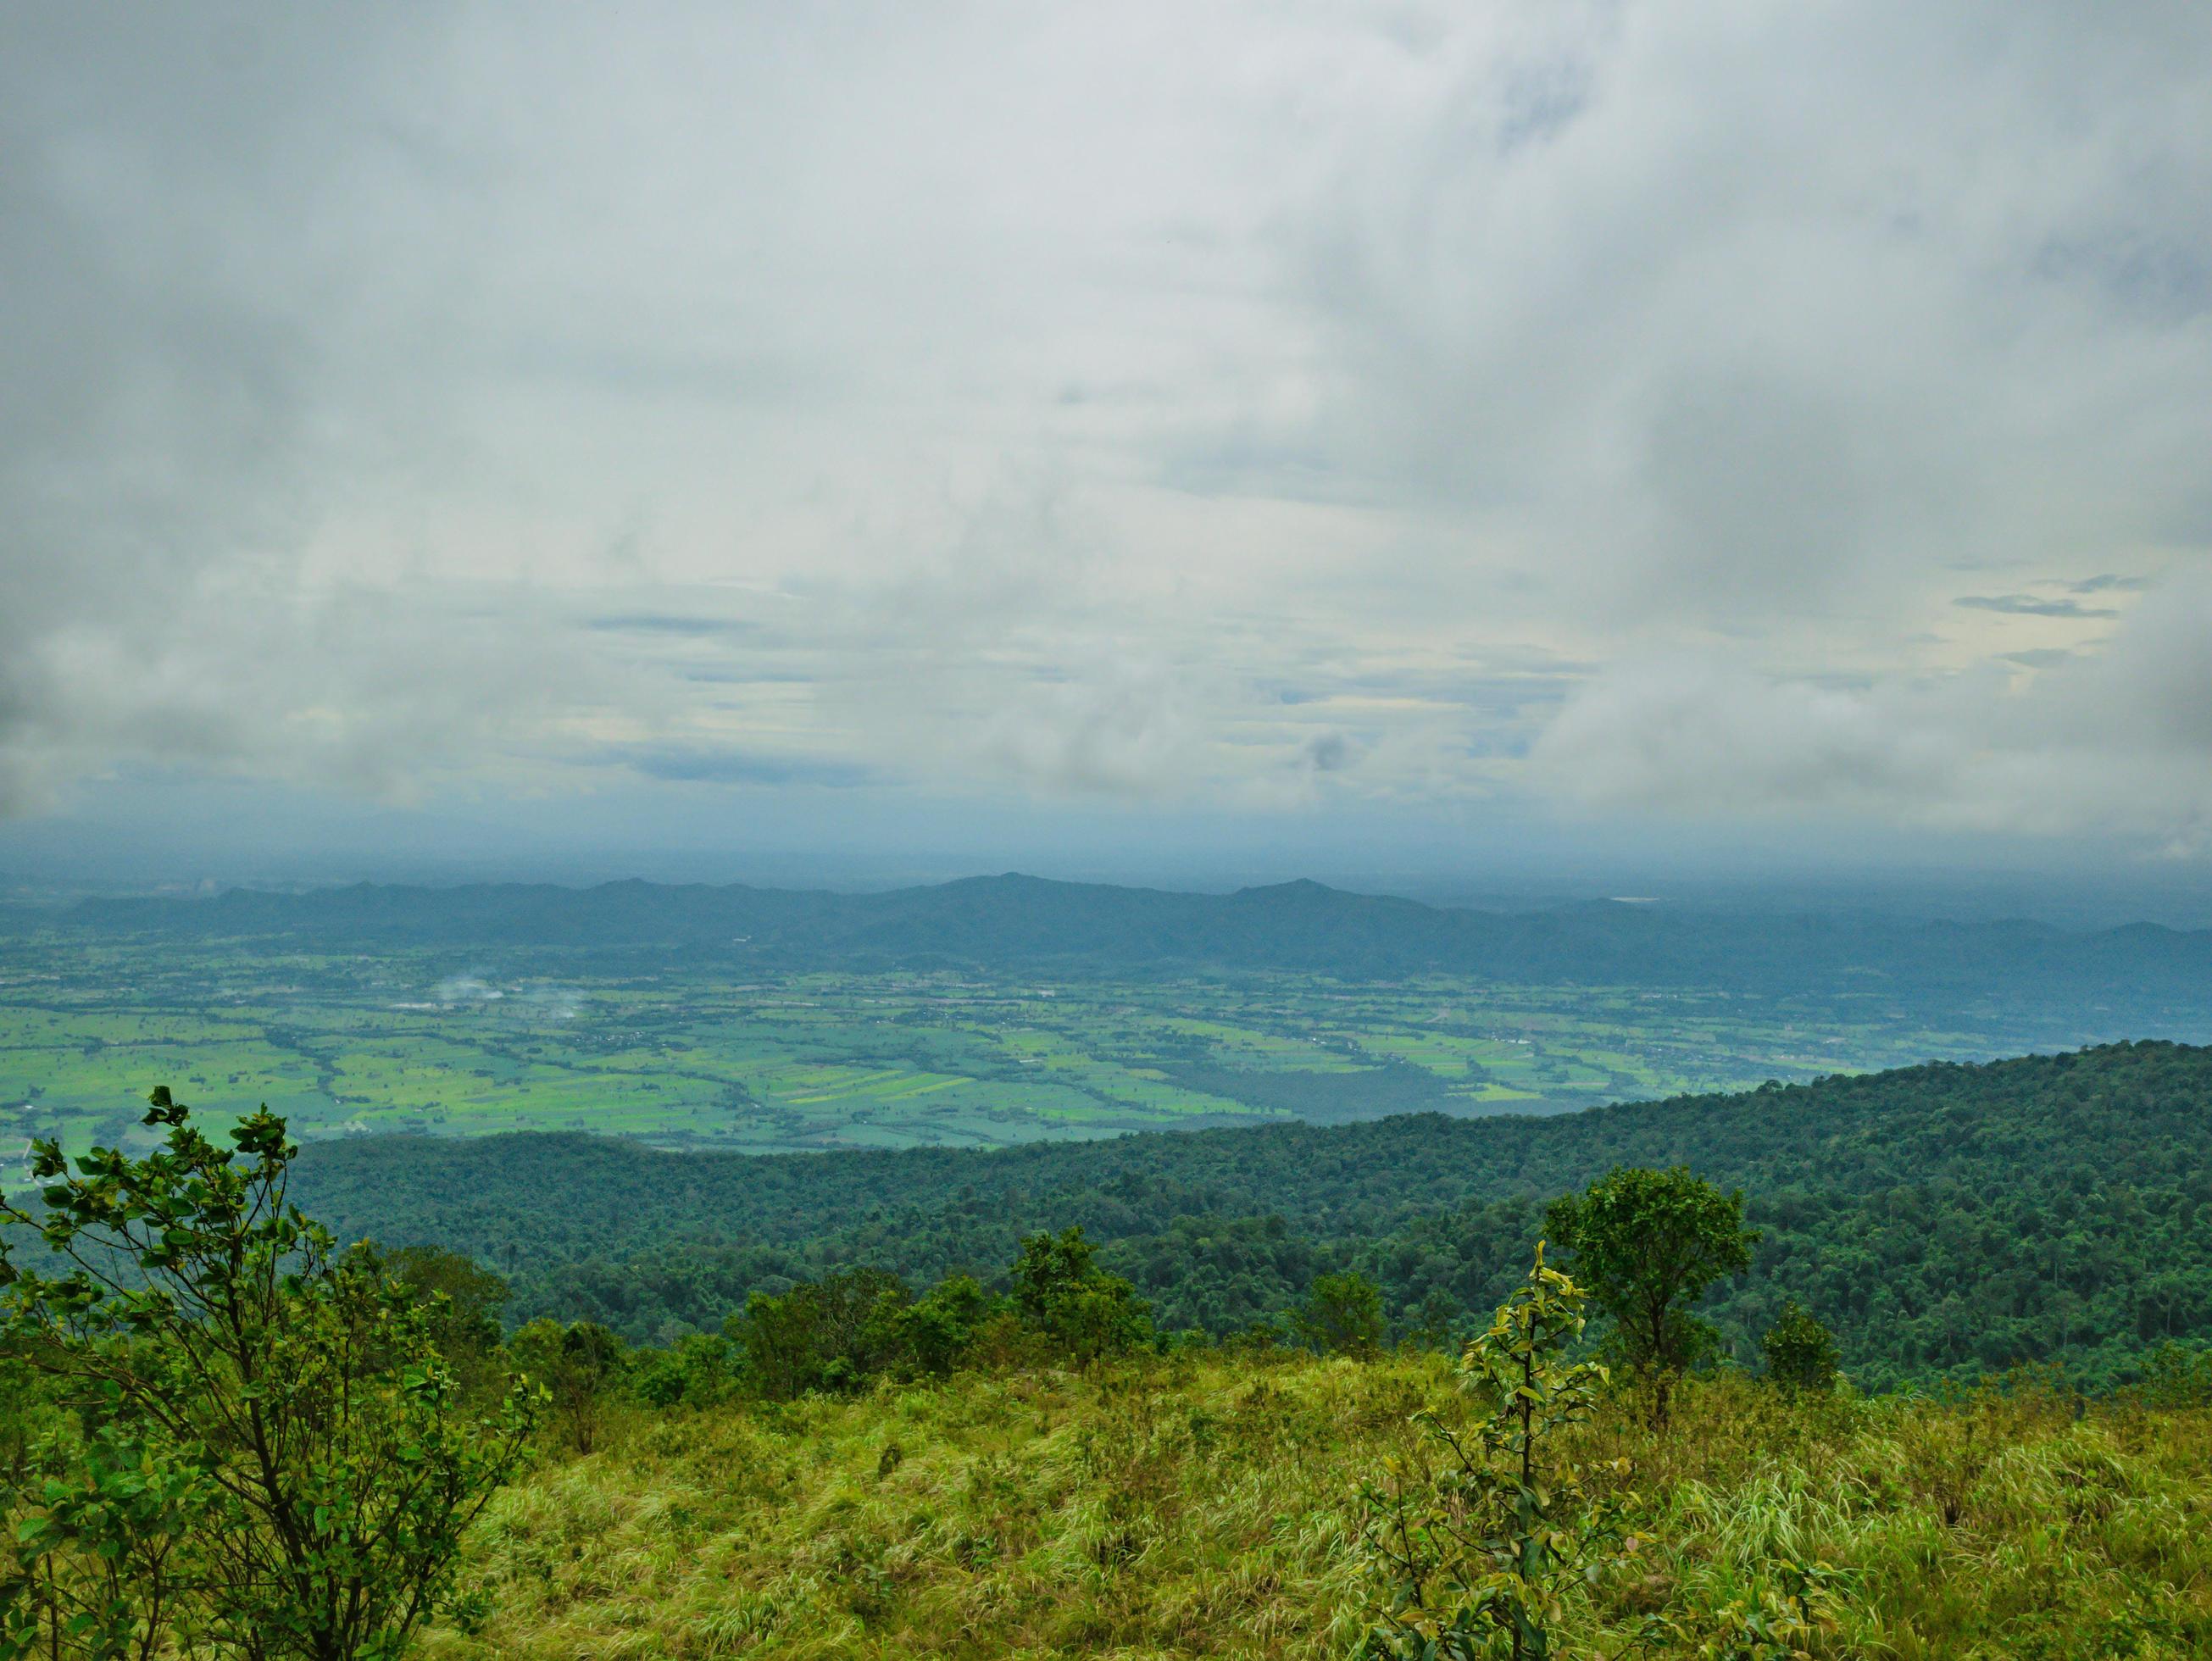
[(1207, 1504)]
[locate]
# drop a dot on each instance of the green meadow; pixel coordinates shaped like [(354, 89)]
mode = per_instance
[(1205, 1505), (431, 1041)]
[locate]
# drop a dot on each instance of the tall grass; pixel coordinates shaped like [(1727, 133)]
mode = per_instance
[(1203, 1506)]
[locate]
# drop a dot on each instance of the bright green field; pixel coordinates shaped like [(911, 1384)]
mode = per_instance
[(418, 1041)]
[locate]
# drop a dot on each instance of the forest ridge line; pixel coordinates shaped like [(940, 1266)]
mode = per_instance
[(1948, 1219)]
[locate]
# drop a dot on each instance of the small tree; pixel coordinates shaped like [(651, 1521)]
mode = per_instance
[(265, 1459), (1647, 1243), (1062, 1292), (460, 1301), (2178, 1375), (695, 1371), (829, 1334), (937, 1329), (578, 1366), (1484, 1552), (1342, 1314), (1801, 1353)]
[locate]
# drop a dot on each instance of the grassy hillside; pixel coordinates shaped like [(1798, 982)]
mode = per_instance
[(1944, 1219), (1203, 1506)]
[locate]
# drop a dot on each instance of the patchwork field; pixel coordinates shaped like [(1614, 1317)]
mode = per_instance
[(422, 1042)]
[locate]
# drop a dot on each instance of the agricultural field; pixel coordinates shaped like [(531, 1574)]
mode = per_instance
[(348, 1044)]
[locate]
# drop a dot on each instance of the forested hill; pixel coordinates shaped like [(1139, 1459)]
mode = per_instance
[(1942, 1218), (1011, 922)]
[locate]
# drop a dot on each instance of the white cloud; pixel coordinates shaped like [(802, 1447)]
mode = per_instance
[(1256, 405), (2111, 744)]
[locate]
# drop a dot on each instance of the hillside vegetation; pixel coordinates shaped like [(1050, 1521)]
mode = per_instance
[(228, 1434), (1205, 1505), (1945, 1221)]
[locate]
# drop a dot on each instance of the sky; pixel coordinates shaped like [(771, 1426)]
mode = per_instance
[(1272, 436)]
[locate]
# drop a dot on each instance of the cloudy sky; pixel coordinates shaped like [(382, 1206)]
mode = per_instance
[(1787, 424)]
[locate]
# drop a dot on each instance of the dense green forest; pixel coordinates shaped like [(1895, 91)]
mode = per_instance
[(1944, 1220)]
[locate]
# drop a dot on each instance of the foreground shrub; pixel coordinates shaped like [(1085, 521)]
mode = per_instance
[(1342, 1314), (260, 1454), (1483, 1550), (1799, 1353), (1082, 1310)]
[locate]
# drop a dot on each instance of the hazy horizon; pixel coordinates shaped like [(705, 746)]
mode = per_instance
[(2079, 895)]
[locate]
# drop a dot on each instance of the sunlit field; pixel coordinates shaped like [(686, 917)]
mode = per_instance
[(423, 1042)]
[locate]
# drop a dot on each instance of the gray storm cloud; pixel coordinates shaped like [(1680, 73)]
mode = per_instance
[(1664, 408)]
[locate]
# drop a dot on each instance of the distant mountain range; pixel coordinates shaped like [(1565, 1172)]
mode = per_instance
[(1029, 924)]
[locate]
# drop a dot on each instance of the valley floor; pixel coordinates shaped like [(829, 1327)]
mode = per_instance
[(699, 1057), (1205, 1505)]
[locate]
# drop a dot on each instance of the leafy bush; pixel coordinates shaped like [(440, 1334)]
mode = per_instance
[(1342, 1314), (1085, 1313), (261, 1452), (2178, 1376), (579, 1367), (1483, 1550), (938, 1329), (827, 1335), (1799, 1353)]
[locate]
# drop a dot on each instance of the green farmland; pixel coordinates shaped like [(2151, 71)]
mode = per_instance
[(422, 1040)]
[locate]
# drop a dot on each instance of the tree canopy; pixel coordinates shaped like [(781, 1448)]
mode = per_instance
[(1945, 1221), (1647, 1244)]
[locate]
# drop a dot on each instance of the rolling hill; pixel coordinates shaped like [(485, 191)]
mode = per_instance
[(1944, 1219), (2156, 976)]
